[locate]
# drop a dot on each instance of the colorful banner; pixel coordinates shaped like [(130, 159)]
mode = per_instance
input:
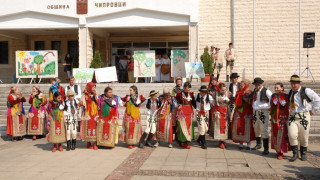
[(194, 69), (107, 74), (144, 63), (83, 75), (43, 64), (178, 60)]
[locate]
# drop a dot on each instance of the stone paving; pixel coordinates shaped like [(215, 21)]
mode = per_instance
[(29, 159)]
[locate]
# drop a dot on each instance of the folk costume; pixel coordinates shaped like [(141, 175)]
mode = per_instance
[(132, 120), (164, 126), (54, 88), (185, 127), (71, 120), (218, 63), (242, 124), (230, 56), (219, 122), (16, 120), (108, 124), (211, 90), (37, 121), (175, 90), (233, 88), (57, 132), (76, 89), (203, 106), (302, 102), (279, 113), (151, 121), (261, 118), (89, 116), (165, 69)]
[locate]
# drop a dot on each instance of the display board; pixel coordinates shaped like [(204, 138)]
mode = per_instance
[(194, 69), (178, 60), (144, 63), (107, 74), (83, 75), (30, 64)]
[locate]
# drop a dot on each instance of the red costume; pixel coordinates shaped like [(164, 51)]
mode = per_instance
[(16, 120)]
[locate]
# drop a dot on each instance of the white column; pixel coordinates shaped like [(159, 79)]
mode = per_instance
[(193, 43), (85, 47)]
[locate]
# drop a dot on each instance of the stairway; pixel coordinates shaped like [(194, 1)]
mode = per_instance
[(144, 89)]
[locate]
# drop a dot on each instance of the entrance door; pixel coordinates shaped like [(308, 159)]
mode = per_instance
[(73, 49)]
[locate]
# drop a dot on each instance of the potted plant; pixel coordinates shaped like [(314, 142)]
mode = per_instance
[(96, 63), (206, 60)]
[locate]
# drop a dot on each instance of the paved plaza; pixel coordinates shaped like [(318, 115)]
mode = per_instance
[(29, 159)]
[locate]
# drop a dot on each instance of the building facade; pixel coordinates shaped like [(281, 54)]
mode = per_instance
[(119, 27)]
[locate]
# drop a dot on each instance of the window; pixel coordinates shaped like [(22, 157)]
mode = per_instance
[(39, 45), (141, 45), (4, 52), (177, 44), (56, 45)]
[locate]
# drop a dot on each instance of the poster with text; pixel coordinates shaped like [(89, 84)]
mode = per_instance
[(178, 60), (144, 63), (83, 75), (107, 74), (194, 69), (30, 64)]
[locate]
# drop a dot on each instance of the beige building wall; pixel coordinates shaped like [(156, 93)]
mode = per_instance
[(276, 35)]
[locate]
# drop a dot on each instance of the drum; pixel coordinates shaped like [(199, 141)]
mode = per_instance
[(165, 69)]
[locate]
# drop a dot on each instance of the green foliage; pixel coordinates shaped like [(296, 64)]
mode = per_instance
[(75, 61), (38, 59), (96, 61), (50, 68), (207, 60), (149, 62), (140, 56)]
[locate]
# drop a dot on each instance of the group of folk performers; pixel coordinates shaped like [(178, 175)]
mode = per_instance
[(239, 113)]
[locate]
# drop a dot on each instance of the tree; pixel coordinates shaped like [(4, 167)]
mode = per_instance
[(96, 61), (38, 60), (207, 60)]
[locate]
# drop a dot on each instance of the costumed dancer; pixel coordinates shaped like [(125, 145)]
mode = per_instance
[(186, 103), (57, 132), (220, 113), (261, 98), (212, 88), (71, 119), (218, 62), (279, 113), (37, 121), (242, 124), (204, 101), (108, 124), (55, 86), (132, 117), (304, 102), (16, 120), (152, 105), (230, 55), (234, 86), (177, 89), (164, 126), (89, 117)]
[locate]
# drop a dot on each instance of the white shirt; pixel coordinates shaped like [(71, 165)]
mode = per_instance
[(68, 104), (235, 89), (149, 111), (77, 96), (306, 106), (258, 105), (207, 106)]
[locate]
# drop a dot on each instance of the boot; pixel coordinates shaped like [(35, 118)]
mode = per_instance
[(60, 147), (204, 143), (295, 153), (258, 146), (303, 152), (34, 137), (68, 145), (54, 148), (186, 145), (143, 137), (149, 143), (227, 78), (73, 145), (218, 77), (265, 146), (95, 147), (89, 145), (199, 140)]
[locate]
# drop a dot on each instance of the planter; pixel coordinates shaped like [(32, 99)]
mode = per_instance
[(206, 78)]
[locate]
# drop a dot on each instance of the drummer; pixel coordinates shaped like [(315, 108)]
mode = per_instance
[(165, 62)]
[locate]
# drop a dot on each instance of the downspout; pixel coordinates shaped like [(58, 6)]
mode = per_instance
[(300, 38), (253, 40), (232, 22)]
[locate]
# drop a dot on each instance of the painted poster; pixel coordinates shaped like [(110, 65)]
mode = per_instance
[(144, 63), (194, 69), (178, 60), (43, 64), (107, 74), (83, 75)]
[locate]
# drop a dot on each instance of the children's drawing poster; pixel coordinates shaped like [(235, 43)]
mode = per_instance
[(194, 69), (43, 64), (144, 63), (83, 75), (107, 74), (178, 60)]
